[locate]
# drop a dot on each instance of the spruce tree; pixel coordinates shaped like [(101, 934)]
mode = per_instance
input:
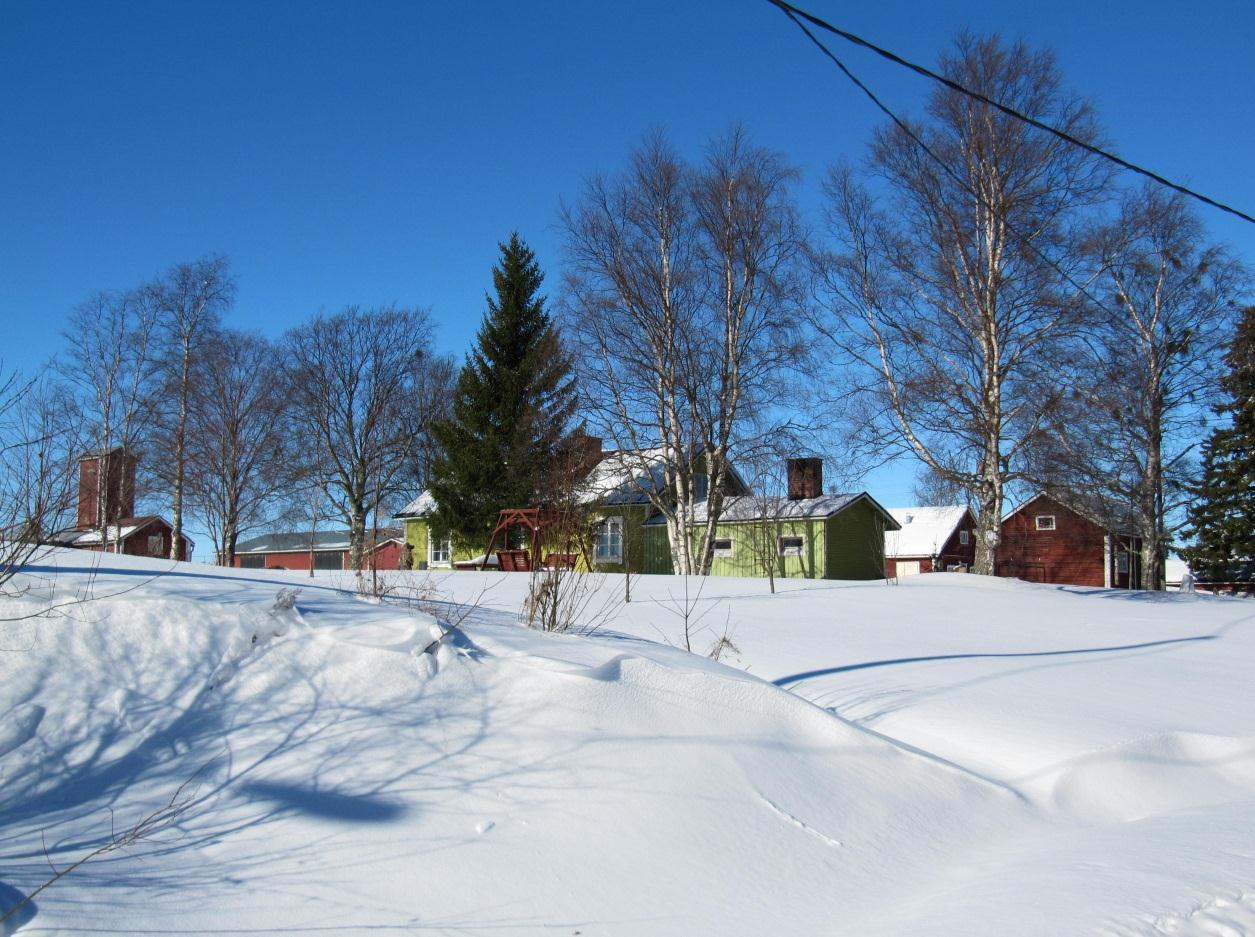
[(1222, 517), (512, 403)]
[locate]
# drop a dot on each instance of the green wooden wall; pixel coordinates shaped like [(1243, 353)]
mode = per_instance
[(856, 543)]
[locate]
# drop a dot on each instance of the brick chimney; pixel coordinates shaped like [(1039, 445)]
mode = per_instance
[(107, 477), (588, 450), (806, 478)]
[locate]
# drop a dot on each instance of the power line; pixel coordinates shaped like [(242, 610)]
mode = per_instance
[(946, 167), (793, 13)]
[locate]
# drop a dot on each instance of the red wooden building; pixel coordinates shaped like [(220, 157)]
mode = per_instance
[(106, 512), (930, 539), (1044, 540), (324, 549)]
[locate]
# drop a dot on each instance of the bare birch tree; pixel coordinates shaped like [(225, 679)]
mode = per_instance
[(353, 377), (682, 304), (959, 291), (110, 365), (1170, 300), (39, 438), (238, 450), (189, 302)]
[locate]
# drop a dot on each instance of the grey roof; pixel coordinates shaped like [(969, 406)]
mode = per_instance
[(746, 508), (324, 540)]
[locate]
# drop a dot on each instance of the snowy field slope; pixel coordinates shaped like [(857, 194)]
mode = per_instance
[(949, 756)]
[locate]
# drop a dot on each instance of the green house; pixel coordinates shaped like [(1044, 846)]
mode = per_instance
[(613, 499), (838, 536)]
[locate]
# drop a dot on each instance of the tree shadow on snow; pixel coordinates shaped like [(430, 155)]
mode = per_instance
[(794, 679)]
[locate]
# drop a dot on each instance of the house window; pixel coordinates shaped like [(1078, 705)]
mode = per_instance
[(155, 545), (252, 562), (1122, 563), (608, 540), (723, 546), (792, 545), (1045, 522), (438, 551), (964, 537)]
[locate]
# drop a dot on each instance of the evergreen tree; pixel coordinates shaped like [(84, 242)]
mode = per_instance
[(510, 410), (1222, 517)]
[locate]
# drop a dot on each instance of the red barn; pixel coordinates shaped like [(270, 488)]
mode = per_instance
[(325, 549), (1044, 540), (106, 512)]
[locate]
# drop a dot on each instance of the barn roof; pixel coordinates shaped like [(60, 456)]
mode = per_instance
[(323, 541)]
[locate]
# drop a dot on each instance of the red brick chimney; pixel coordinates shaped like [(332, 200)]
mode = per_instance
[(588, 450), (806, 478), (106, 488)]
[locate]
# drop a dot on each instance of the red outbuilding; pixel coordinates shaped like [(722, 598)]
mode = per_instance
[(1044, 540), (106, 512), (323, 549)]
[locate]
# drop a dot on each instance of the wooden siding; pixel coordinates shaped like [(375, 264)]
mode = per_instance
[(953, 552), (1073, 553), (754, 543), (387, 557), (856, 543)]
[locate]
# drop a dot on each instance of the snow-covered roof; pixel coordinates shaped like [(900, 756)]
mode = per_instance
[(82, 538), (761, 507), (925, 530), (422, 506), (323, 540), (623, 476), (124, 529)]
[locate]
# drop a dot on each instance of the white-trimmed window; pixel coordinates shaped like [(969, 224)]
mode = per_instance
[(723, 546), (791, 545), (155, 545), (439, 552), (608, 540), (1045, 522), (964, 537)]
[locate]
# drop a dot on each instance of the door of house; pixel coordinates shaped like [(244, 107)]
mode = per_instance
[(908, 567)]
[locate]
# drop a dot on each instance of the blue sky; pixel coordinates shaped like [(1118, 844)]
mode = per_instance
[(376, 152)]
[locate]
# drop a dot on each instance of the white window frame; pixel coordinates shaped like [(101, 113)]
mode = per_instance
[(1045, 522), (791, 551), (964, 537), (604, 548), (431, 551), (729, 550)]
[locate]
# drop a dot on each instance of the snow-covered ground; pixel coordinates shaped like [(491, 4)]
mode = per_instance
[(948, 756)]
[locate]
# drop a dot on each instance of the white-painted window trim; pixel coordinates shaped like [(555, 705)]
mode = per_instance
[(431, 551), (791, 550), (729, 550), (606, 532), (964, 537), (1045, 522)]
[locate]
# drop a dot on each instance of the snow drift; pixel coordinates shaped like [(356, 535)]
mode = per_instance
[(943, 758)]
